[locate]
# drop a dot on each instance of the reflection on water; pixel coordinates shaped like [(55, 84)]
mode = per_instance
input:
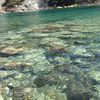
[(50, 55)]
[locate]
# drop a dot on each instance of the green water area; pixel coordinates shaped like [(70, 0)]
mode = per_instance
[(50, 55)]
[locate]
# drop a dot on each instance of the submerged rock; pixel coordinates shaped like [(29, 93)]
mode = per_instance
[(95, 75), (17, 64), (18, 94), (49, 93), (1, 98), (97, 87), (6, 73), (80, 51), (49, 29), (44, 93), (80, 88), (10, 51), (52, 93)]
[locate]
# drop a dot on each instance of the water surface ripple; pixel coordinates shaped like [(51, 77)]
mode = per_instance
[(50, 55)]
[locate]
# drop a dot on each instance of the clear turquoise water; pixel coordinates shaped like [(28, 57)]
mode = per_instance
[(53, 53)]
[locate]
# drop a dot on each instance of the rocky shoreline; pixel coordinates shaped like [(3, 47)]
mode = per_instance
[(22, 9), (26, 5), (35, 5)]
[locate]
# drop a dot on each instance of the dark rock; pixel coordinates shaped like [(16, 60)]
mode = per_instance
[(80, 88), (7, 55), (42, 81), (3, 68)]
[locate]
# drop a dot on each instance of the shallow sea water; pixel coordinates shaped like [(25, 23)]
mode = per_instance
[(50, 55)]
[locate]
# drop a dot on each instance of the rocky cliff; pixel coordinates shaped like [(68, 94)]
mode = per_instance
[(23, 5), (1, 3), (30, 5)]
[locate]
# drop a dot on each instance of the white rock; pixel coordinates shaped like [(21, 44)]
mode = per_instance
[(1, 98)]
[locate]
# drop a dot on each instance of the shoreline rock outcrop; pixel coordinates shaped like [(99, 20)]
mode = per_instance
[(22, 5), (35, 5), (1, 8)]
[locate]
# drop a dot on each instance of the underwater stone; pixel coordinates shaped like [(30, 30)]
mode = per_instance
[(12, 64), (6, 73), (62, 61), (41, 81), (17, 64), (20, 76), (10, 51), (48, 29), (5, 93), (44, 93), (95, 75), (18, 94), (97, 87), (48, 93), (1, 90), (1, 97), (78, 91), (81, 51), (52, 93)]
